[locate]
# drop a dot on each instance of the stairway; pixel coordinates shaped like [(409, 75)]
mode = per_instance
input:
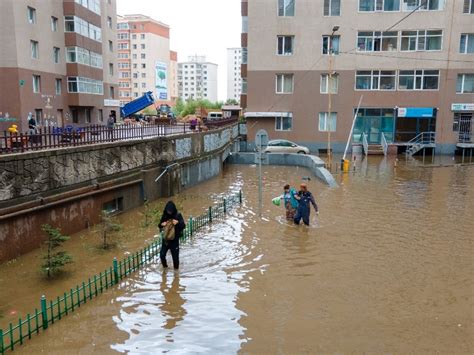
[(421, 141), (413, 149), (375, 149)]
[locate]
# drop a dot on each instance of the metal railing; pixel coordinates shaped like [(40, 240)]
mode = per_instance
[(365, 143), (59, 137), (419, 142), (54, 310), (384, 143)]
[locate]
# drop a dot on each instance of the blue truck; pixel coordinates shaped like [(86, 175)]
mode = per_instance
[(137, 105)]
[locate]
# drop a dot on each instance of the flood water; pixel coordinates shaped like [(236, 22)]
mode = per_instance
[(387, 267)]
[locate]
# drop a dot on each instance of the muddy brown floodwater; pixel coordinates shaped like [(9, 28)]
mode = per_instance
[(387, 267)]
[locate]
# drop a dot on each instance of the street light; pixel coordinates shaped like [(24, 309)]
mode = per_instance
[(328, 118)]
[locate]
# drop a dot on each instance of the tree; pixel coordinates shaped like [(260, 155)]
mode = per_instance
[(108, 227), (232, 102), (162, 75), (54, 260)]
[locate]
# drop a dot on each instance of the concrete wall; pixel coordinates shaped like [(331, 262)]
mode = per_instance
[(69, 187)]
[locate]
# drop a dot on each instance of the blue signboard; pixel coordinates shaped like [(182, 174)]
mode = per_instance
[(415, 112)]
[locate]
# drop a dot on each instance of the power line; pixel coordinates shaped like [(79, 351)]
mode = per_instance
[(423, 2), (371, 54)]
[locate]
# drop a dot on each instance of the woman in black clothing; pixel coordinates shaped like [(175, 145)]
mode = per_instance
[(171, 215)]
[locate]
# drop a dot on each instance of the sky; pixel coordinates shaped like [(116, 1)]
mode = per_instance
[(203, 27)]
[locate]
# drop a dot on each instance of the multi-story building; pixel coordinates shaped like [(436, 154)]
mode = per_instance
[(197, 79), (145, 60), (58, 62), (234, 81), (410, 62)]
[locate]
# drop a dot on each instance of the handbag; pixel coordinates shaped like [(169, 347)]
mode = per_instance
[(168, 231)]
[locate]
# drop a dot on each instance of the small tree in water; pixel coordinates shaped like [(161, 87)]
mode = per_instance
[(108, 227), (54, 260)]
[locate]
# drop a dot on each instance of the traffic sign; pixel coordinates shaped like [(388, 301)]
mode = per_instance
[(261, 139)]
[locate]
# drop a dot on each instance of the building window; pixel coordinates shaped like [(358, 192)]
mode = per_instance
[(326, 125), (83, 56), (430, 5), (36, 84), (284, 123), (87, 112), (286, 7), (377, 41), (122, 36), (134, 56), (34, 49), (467, 43), (243, 87), (123, 56), (112, 92), (329, 83), (84, 85), (143, 75), (285, 45), (143, 85), (379, 5), (424, 40), (245, 24), (93, 5), (31, 15), (142, 46), (56, 55), (418, 80), (100, 115), (54, 24), (375, 80), (143, 65), (122, 26), (468, 7), (143, 56), (331, 46), (58, 86), (111, 69), (82, 27), (244, 55), (39, 115), (111, 46), (332, 8), (142, 36), (109, 21), (123, 46), (465, 83), (134, 46), (135, 65), (284, 83), (134, 36)]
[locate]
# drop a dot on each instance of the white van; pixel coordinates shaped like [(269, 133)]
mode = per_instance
[(214, 116)]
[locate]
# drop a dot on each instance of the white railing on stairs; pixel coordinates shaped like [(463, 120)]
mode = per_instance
[(419, 142), (384, 143), (365, 143)]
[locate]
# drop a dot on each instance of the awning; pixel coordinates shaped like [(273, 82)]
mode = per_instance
[(267, 114)]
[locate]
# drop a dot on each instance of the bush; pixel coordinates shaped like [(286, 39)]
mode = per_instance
[(54, 261)]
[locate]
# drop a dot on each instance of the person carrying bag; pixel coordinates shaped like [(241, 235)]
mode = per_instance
[(172, 225)]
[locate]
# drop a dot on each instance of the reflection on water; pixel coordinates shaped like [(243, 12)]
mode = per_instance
[(386, 268)]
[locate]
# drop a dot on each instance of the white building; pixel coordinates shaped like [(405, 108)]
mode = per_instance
[(145, 61), (197, 79), (234, 80)]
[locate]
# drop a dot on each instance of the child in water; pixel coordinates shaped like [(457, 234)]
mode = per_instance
[(290, 202)]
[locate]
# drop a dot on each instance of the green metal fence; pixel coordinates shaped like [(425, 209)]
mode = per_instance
[(53, 310)]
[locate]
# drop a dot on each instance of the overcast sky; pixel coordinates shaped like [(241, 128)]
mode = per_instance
[(203, 27)]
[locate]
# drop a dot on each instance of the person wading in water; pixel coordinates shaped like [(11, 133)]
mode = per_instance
[(290, 201), (170, 219), (305, 198)]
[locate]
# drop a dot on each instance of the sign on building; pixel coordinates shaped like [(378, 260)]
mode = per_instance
[(462, 107), (161, 81)]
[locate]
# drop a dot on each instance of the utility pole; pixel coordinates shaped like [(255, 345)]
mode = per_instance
[(328, 118)]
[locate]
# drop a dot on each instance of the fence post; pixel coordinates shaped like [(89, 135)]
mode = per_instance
[(225, 209), (116, 274), (240, 196), (190, 224), (210, 214), (2, 349), (44, 313)]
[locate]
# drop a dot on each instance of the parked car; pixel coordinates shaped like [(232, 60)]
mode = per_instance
[(284, 146)]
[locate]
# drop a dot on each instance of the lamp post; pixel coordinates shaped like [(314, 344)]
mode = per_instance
[(328, 118)]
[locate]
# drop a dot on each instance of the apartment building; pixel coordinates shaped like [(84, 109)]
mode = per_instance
[(197, 79), (234, 81), (58, 62), (145, 60), (410, 62)]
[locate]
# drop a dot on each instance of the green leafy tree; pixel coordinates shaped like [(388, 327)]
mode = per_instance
[(54, 260), (231, 102), (109, 226), (162, 75)]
